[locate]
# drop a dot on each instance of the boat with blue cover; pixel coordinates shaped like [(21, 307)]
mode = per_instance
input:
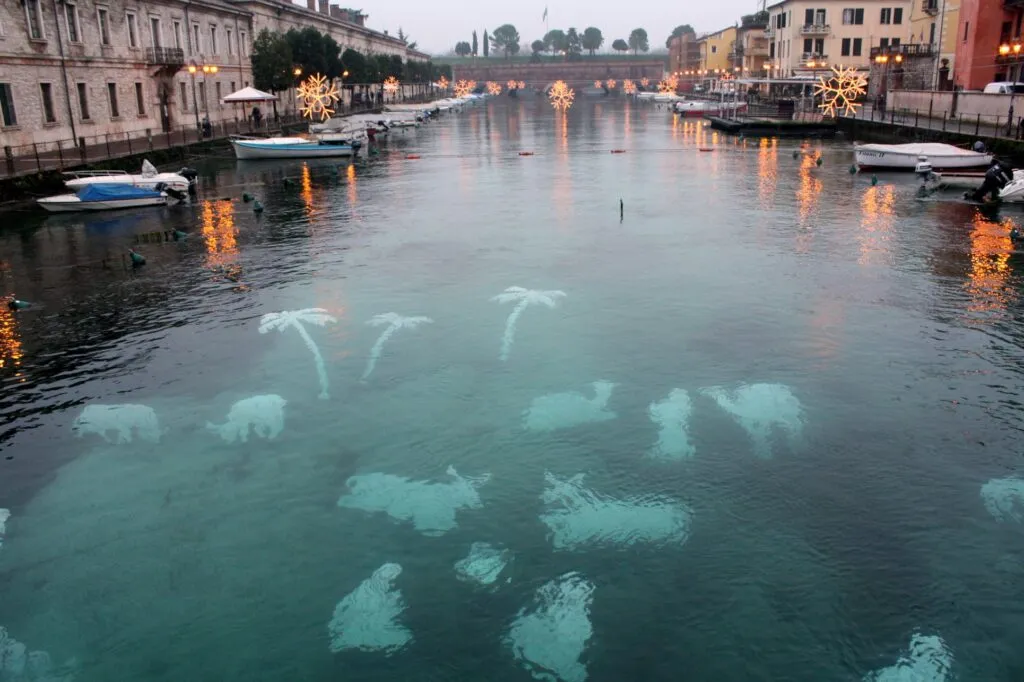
[(293, 147), (104, 198)]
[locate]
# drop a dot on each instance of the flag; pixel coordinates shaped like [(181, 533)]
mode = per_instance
[(545, 17)]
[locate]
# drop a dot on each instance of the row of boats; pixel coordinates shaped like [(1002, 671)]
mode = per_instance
[(338, 137)]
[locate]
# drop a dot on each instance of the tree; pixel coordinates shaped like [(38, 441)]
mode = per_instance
[(505, 36), (538, 46), (487, 49), (314, 52), (678, 31), (592, 40), (355, 63), (475, 45), (463, 49), (620, 45), (638, 41), (555, 40), (573, 43), (271, 62)]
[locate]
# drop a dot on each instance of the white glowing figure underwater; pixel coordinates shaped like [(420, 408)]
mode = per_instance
[(760, 409), (1004, 498), (523, 298), (18, 664), (367, 617), (295, 319), (261, 414), (123, 420), (672, 415), (928, 660), (483, 565), (431, 507), (4, 515), (577, 516), (565, 410), (550, 638), (394, 322)]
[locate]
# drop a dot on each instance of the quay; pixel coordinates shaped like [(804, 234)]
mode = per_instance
[(755, 126)]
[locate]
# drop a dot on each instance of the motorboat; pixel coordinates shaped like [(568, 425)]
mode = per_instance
[(707, 108), (95, 197), (906, 157), (247, 148), (1014, 190), (149, 178)]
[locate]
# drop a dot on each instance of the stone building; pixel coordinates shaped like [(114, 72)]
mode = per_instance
[(72, 69)]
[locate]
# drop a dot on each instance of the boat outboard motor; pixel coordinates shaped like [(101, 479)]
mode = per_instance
[(923, 167), (997, 177), (190, 174), (169, 191)]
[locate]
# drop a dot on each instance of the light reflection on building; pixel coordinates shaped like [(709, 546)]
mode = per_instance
[(990, 264), (11, 351), (877, 217), (807, 194), (768, 171)]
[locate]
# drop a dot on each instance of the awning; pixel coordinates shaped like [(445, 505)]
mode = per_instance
[(248, 95)]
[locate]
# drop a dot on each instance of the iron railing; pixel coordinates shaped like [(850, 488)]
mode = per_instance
[(165, 56)]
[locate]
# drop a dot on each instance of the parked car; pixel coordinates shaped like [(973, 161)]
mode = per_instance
[(1004, 88)]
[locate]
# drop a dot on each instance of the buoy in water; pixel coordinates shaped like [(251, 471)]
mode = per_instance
[(796, 153), (618, 151), (15, 304), (180, 236), (853, 169), (246, 197), (137, 258), (874, 180), (525, 153), (412, 157), (818, 162), (704, 149), (257, 207)]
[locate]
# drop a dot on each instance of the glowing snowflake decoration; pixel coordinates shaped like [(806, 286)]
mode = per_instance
[(668, 85), (561, 95), (610, 83), (318, 97), (442, 83), (522, 84), (512, 85), (464, 87), (391, 85), (840, 91), (598, 84), (645, 82), (493, 88), (628, 87)]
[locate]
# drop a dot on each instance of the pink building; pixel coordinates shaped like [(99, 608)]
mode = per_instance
[(988, 43)]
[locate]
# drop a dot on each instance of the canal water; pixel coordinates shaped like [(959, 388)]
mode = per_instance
[(738, 431)]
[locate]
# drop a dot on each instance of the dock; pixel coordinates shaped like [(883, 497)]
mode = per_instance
[(773, 127)]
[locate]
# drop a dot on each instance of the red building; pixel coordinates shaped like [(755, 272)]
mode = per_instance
[(988, 43)]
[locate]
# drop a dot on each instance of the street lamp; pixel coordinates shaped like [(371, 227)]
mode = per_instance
[(207, 69)]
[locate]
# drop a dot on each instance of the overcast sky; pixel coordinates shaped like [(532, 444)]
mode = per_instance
[(439, 24)]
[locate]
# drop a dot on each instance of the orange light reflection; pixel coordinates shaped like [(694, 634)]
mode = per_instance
[(807, 197), (350, 176), (11, 351), (990, 269), (877, 220), (768, 171)]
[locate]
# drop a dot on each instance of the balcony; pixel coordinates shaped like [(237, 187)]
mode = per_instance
[(758, 49), (813, 57), (769, 32), (908, 50), (165, 56), (930, 7), (815, 30)]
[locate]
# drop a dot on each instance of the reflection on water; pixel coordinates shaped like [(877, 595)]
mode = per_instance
[(10, 340), (807, 194), (877, 218), (307, 193), (350, 177), (767, 171), (990, 269)]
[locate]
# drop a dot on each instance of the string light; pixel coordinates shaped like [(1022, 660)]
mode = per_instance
[(493, 88), (391, 85), (840, 91), (628, 87), (318, 97), (561, 96)]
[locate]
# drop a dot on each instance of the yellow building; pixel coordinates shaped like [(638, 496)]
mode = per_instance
[(715, 50), (935, 22)]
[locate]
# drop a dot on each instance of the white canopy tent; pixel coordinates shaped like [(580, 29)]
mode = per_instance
[(249, 94)]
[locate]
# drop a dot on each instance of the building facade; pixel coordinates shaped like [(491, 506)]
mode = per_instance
[(684, 53), (806, 36), (749, 52), (715, 49), (934, 23), (99, 69), (988, 43)]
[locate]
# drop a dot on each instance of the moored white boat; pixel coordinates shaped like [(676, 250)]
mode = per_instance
[(707, 108), (292, 148), (149, 178), (1014, 190), (906, 156), (104, 198)]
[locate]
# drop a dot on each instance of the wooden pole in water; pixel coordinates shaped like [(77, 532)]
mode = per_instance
[(622, 210)]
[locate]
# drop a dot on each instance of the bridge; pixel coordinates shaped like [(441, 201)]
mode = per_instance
[(576, 73)]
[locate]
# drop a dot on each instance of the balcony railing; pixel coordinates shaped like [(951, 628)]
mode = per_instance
[(165, 56), (813, 57), (756, 50), (815, 29), (769, 32), (930, 6), (908, 50)]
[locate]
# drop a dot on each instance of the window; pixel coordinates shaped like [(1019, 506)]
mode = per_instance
[(967, 27), (714, 49), (819, 17), (216, 90), (232, 86), (844, 50), (883, 42), (808, 45), (243, 45), (808, 16), (83, 101), (857, 45), (140, 100), (1004, 32), (853, 16), (103, 21), (886, 15), (196, 45), (931, 34), (202, 96), (7, 105), (115, 111), (46, 95), (71, 15), (34, 18), (133, 30), (154, 30), (213, 39), (183, 91), (895, 42), (227, 33), (771, 50), (897, 15), (177, 34), (819, 46)]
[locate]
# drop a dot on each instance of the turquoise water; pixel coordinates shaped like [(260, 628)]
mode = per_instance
[(763, 435)]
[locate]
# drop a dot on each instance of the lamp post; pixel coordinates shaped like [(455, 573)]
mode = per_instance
[(207, 69), (883, 61), (1005, 50)]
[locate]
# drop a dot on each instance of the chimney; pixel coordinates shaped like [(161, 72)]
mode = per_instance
[(336, 12), (323, 7), (311, 5)]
